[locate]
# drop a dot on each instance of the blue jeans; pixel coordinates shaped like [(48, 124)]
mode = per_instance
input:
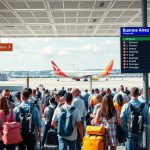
[(46, 129), (63, 143), (134, 141)]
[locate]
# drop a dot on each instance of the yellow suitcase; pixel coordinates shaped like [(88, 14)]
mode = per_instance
[(93, 142), (95, 130)]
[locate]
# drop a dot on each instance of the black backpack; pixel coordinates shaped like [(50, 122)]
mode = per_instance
[(26, 120), (50, 113), (136, 119)]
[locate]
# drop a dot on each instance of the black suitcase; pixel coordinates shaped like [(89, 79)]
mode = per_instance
[(50, 147), (52, 138)]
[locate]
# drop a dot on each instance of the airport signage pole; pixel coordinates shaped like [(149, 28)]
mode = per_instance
[(145, 75)]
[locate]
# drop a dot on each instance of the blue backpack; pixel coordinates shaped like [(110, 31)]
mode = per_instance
[(65, 126)]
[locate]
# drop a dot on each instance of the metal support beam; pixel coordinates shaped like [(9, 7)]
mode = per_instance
[(145, 75), (90, 83)]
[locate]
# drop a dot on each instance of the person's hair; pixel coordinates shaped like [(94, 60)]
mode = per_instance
[(99, 97), (103, 93), (119, 99), (108, 91), (114, 89), (52, 100), (134, 92), (107, 107), (29, 90), (86, 90), (18, 95), (5, 90), (68, 97), (4, 105), (92, 91), (33, 91), (25, 94), (37, 88)]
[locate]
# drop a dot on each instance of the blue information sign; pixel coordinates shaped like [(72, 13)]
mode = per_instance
[(135, 49), (135, 31)]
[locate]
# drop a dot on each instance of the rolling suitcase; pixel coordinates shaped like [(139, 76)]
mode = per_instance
[(50, 147), (93, 142), (52, 138)]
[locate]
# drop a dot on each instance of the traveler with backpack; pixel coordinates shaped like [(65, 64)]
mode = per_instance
[(79, 104), (134, 116), (69, 121), (30, 121), (48, 114), (5, 115)]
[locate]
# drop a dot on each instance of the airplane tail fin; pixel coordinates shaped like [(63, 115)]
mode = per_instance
[(57, 70), (108, 69)]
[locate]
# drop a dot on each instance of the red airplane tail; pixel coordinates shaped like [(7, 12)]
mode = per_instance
[(57, 71)]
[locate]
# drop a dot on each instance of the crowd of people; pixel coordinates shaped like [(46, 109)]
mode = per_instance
[(102, 107)]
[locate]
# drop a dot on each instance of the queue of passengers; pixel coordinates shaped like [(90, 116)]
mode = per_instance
[(100, 107)]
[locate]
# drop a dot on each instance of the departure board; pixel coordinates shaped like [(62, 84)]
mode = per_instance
[(135, 49)]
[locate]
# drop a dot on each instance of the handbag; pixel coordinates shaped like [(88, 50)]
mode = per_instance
[(11, 130), (120, 134)]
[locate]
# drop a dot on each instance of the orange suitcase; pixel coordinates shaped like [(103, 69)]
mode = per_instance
[(93, 142), (95, 130)]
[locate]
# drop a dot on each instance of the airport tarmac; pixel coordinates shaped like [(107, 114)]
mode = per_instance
[(51, 83)]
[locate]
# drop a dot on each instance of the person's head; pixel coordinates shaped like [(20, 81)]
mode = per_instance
[(96, 91), (18, 95), (46, 92), (37, 89), (134, 92), (119, 99), (126, 88), (86, 91), (34, 92), (75, 92), (6, 94), (25, 95), (107, 107), (63, 88), (98, 98), (4, 105), (149, 92), (30, 91), (68, 98), (52, 100), (108, 91), (114, 89), (103, 93), (122, 88), (92, 91)]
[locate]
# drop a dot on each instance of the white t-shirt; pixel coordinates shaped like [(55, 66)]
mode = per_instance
[(124, 96)]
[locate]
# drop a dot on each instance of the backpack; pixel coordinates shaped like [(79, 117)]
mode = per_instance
[(65, 126), (136, 119), (26, 120), (50, 113)]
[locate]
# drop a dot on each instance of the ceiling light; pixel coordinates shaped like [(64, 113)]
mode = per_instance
[(9, 26), (101, 4), (94, 20)]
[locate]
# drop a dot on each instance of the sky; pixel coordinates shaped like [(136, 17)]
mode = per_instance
[(33, 54)]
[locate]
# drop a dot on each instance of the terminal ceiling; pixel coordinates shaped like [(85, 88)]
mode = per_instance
[(68, 18)]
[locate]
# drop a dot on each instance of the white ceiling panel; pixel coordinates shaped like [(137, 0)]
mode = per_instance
[(36, 5), (18, 5), (41, 18)]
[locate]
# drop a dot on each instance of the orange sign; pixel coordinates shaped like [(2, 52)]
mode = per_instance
[(6, 47)]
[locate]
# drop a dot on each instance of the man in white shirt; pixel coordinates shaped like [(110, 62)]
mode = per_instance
[(79, 104)]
